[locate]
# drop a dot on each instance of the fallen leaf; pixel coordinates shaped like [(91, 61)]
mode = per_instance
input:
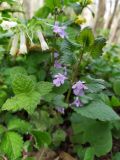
[(66, 156)]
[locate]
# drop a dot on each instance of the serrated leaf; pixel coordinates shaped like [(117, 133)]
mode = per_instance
[(22, 84), (42, 138), (86, 37), (11, 145), (96, 48), (67, 49), (98, 110), (24, 101), (19, 125), (44, 88)]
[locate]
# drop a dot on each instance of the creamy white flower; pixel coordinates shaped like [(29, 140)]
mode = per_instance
[(14, 48), (5, 5), (23, 47), (6, 25), (43, 43)]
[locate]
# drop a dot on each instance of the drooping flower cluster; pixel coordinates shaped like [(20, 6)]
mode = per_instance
[(60, 30), (17, 48), (14, 48), (23, 47), (44, 45), (59, 79), (6, 25)]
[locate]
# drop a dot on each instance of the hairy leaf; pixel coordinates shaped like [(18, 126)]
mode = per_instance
[(98, 110), (11, 145)]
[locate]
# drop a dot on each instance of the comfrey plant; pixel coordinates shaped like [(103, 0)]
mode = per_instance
[(50, 97)]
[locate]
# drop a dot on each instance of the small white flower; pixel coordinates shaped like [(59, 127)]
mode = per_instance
[(5, 5), (23, 47), (14, 48), (44, 45), (6, 25)]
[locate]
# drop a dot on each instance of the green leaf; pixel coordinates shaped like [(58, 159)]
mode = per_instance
[(44, 88), (42, 12), (62, 89), (95, 87), (24, 101), (96, 133), (89, 154), (96, 48), (22, 84), (86, 37), (98, 110), (115, 101), (58, 137), (67, 49), (19, 125), (116, 87), (116, 156), (58, 101), (11, 145), (42, 138)]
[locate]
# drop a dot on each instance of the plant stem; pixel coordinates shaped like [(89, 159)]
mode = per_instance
[(74, 75)]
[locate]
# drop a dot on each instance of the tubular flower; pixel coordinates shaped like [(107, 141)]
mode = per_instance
[(60, 30), (78, 88), (57, 64), (59, 79), (43, 43), (6, 25), (23, 47), (80, 20), (14, 48), (77, 102)]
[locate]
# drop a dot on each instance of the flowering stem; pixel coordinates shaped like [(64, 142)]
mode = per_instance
[(74, 75)]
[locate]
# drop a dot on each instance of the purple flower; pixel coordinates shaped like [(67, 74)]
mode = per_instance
[(77, 102), (59, 79), (59, 30), (61, 110), (57, 64), (56, 54), (78, 88)]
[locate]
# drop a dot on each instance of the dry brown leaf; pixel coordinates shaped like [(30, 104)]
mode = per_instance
[(66, 156)]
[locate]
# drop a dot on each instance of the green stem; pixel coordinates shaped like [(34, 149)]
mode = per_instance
[(74, 76)]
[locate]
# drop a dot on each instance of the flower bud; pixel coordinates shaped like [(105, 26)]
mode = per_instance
[(14, 48), (43, 43), (23, 47), (89, 1), (6, 25), (80, 20)]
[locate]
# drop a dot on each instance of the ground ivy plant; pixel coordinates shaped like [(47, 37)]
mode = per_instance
[(53, 85)]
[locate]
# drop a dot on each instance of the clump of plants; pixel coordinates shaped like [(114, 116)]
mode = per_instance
[(53, 93)]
